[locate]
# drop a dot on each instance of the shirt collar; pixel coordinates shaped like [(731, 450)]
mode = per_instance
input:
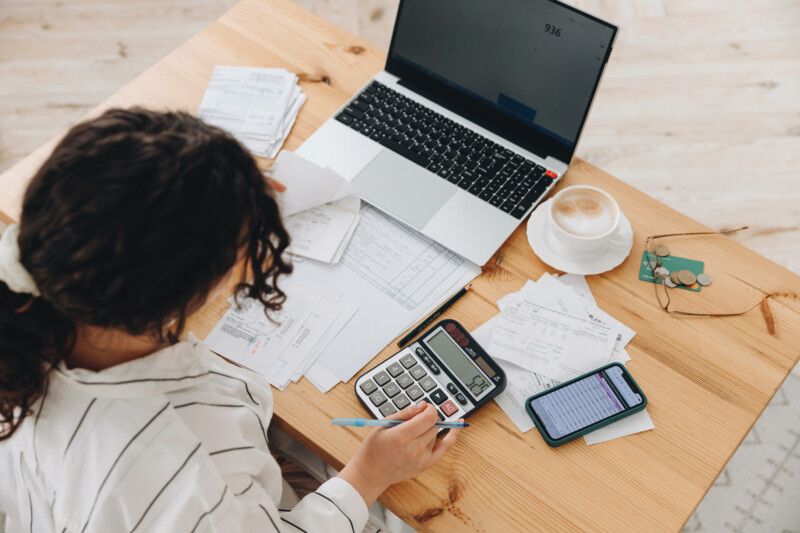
[(175, 367)]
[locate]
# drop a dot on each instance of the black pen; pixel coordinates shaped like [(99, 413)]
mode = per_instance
[(425, 323)]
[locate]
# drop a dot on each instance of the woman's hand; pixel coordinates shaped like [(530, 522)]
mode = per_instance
[(391, 455), (277, 186)]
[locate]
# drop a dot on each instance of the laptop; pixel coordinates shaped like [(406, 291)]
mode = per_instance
[(474, 119)]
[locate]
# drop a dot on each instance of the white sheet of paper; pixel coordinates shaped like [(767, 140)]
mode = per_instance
[(322, 378), (553, 293), (579, 285), (248, 338), (268, 146), (523, 384), (635, 423), (395, 276), (244, 100), (308, 334), (321, 233), (307, 185), (348, 311), (257, 105), (553, 343)]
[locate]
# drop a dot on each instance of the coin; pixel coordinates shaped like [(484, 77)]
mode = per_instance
[(687, 277), (662, 250), (669, 283), (673, 276), (661, 272), (703, 279)]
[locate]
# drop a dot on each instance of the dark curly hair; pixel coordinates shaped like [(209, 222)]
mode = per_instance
[(129, 225)]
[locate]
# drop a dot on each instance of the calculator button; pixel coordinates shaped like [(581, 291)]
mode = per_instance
[(438, 396), (418, 372), (395, 370), (408, 361), (421, 352), (452, 388), (448, 407), (414, 393), (381, 378), (401, 402), (427, 384), (433, 366), (387, 409), (391, 390), (369, 387), (441, 416), (461, 399), (377, 398), (405, 381)]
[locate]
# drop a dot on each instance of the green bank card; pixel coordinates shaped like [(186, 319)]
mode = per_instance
[(671, 263)]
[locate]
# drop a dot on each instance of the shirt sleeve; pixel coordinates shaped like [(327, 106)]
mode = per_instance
[(198, 500), (334, 506)]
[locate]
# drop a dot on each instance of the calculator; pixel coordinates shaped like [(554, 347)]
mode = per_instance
[(445, 367)]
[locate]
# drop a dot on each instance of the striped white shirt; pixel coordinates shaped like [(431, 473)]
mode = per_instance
[(173, 442)]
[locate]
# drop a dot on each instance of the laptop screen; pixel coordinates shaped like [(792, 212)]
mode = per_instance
[(537, 62)]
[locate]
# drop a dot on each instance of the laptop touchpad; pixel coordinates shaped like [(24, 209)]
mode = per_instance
[(403, 189)]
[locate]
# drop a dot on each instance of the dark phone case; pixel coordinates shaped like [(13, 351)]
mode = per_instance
[(558, 442)]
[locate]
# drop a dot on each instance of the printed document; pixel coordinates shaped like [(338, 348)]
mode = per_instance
[(395, 276), (257, 105), (560, 293), (550, 342), (281, 349), (320, 208)]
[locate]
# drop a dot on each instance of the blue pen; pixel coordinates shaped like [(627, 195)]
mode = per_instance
[(362, 422)]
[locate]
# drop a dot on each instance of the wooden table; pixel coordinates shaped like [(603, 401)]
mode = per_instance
[(707, 379)]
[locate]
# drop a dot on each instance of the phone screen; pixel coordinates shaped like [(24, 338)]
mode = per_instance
[(571, 408)]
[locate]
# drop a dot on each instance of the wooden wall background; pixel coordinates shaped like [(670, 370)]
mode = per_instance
[(699, 107)]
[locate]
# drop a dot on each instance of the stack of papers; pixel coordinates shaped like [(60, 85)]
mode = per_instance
[(320, 208), (549, 332), (395, 276), (257, 105), (389, 277), (285, 349)]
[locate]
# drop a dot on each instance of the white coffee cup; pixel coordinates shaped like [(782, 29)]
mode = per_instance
[(583, 218)]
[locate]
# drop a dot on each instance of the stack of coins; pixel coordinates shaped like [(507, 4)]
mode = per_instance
[(686, 278), (677, 277)]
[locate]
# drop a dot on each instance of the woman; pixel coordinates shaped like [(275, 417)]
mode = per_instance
[(108, 422)]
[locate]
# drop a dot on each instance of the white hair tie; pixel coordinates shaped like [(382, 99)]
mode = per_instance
[(12, 273)]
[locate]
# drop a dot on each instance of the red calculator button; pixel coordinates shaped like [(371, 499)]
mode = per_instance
[(551, 174), (448, 407)]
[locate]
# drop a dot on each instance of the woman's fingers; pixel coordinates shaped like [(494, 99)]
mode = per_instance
[(420, 422), (408, 412), (444, 444), (276, 185), (431, 438)]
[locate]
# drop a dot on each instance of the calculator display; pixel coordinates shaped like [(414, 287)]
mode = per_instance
[(458, 363)]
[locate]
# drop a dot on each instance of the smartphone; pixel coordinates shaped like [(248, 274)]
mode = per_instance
[(588, 402)]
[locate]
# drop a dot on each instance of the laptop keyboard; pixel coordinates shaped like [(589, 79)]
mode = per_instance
[(493, 173)]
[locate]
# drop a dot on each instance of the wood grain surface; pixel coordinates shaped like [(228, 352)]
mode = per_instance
[(707, 380)]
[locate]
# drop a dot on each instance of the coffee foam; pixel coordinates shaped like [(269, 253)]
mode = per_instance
[(584, 213)]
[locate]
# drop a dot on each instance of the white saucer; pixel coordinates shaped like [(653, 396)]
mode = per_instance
[(572, 262)]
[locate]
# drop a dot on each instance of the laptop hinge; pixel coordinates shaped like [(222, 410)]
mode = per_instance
[(469, 115)]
